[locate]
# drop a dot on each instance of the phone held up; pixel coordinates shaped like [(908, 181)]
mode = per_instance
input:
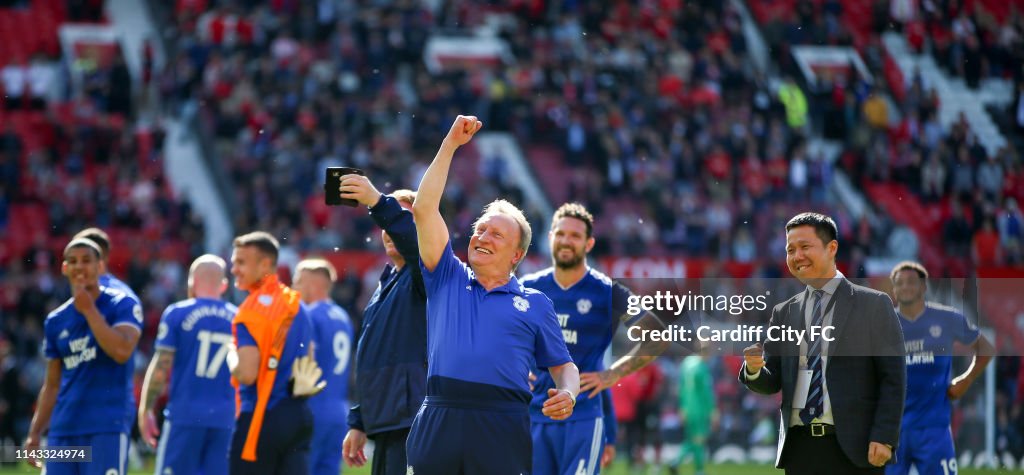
[(332, 193)]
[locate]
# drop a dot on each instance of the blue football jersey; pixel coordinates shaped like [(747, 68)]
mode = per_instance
[(199, 333), (929, 344), (332, 345), (95, 394), (588, 320), (109, 280)]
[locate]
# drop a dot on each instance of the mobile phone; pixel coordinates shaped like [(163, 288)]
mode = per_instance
[(332, 193)]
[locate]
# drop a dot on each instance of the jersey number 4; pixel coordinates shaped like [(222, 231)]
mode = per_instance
[(207, 367)]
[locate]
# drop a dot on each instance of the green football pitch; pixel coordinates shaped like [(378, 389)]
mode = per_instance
[(617, 469)]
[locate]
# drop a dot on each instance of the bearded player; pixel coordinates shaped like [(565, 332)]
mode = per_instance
[(589, 307)]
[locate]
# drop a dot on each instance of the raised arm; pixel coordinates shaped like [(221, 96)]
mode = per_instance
[(432, 233)]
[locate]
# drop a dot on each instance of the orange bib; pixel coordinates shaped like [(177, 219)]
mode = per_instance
[(267, 313)]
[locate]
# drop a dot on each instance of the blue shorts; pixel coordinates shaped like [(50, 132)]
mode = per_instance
[(325, 448), (109, 454), (189, 449), (568, 448), (930, 450), (449, 438)]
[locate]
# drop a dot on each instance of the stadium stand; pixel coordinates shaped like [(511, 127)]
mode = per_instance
[(82, 160)]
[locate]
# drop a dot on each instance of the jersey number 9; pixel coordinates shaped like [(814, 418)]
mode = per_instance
[(342, 344)]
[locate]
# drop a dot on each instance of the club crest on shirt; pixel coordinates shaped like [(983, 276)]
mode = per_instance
[(583, 306), (265, 300), (936, 331), (63, 334), (272, 363), (520, 303)]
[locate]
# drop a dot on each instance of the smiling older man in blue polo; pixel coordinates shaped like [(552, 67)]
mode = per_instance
[(484, 333)]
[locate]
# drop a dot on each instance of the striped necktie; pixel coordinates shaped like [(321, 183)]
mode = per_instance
[(815, 393)]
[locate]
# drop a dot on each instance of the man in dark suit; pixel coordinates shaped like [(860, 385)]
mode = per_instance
[(842, 388)]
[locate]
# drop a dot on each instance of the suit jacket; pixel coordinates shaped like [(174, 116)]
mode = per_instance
[(865, 376)]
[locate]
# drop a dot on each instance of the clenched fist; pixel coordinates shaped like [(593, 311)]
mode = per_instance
[(463, 129), (753, 356)]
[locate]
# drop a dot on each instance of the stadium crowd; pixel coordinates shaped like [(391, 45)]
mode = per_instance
[(701, 148), (676, 142)]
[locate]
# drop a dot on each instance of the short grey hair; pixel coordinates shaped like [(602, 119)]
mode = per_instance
[(207, 259), (500, 206), (318, 265)]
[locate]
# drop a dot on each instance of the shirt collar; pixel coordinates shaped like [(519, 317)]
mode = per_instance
[(830, 286), (511, 287), (267, 285)]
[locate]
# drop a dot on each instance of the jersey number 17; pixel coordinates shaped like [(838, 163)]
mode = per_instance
[(207, 367)]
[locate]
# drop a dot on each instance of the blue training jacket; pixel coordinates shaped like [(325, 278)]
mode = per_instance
[(391, 356)]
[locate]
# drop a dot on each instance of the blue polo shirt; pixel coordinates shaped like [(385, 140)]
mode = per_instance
[(483, 343)]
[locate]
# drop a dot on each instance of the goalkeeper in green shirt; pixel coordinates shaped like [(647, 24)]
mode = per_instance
[(697, 409)]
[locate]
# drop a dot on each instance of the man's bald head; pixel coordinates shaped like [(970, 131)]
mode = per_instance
[(207, 277)]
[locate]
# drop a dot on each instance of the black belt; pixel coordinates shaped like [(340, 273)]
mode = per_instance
[(816, 429)]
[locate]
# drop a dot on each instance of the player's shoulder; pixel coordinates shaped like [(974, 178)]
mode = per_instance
[(181, 305), (229, 306), (176, 309), (533, 296), (336, 312), (119, 298), (65, 308), (326, 310), (111, 281), (303, 315), (534, 278), (114, 293), (942, 311), (600, 277)]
